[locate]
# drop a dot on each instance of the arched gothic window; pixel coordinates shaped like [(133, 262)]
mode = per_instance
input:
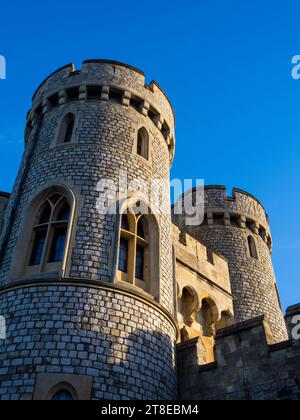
[(138, 256), (143, 143), (252, 247), (50, 233), (63, 391), (67, 129)]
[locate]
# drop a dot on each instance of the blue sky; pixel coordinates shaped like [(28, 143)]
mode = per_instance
[(226, 66)]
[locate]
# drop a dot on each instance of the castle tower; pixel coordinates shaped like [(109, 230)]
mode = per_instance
[(238, 228), (88, 294)]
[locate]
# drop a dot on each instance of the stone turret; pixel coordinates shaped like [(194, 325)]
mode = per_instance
[(87, 295), (238, 228)]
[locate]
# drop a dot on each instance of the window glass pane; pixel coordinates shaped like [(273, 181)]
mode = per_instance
[(54, 198), (38, 248), (69, 132), (139, 267), (58, 245), (140, 230), (143, 143), (123, 255), (64, 213), (252, 248), (125, 222), (62, 395), (140, 145), (45, 215)]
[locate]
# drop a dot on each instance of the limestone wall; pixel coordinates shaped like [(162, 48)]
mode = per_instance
[(247, 367), (123, 344)]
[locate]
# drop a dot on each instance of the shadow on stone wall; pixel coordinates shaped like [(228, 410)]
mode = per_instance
[(82, 332)]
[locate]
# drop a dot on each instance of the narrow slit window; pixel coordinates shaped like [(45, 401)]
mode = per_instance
[(67, 129), (252, 248), (69, 132), (143, 143)]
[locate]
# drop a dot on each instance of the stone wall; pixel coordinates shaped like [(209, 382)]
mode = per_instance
[(206, 279), (247, 367), (4, 197), (123, 343)]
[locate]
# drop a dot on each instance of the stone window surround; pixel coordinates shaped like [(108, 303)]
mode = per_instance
[(143, 135), (148, 160), (151, 285), (19, 266), (252, 248), (70, 109), (131, 235), (50, 227), (48, 384)]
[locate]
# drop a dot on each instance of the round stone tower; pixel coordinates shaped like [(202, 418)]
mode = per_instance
[(238, 228), (87, 292)]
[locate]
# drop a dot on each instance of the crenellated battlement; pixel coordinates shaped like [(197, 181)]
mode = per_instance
[(106, 80), (240, 210), (241, 201)]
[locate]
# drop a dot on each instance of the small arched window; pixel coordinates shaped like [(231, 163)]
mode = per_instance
[(50, 233), (62, 395), (143, 143), (67, 129), (226, 320), (138, 256), (252, 247), (209, 316)]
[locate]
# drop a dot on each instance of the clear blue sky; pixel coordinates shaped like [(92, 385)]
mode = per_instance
[(226, 66)]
